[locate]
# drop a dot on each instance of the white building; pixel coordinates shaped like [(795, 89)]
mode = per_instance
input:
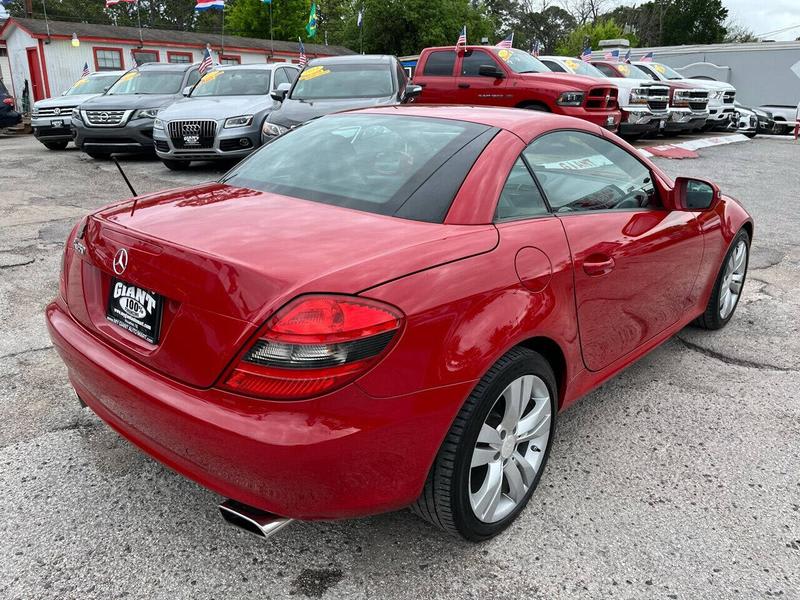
[(43, 54)]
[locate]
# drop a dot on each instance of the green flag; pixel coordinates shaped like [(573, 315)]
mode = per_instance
[(311, 28)]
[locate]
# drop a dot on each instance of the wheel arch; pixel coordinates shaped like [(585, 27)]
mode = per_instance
[(554, 355), (529, 103)]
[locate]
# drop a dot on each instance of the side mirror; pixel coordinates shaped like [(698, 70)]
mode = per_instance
[(694, 194), (491, 71), (187, 90), (279, 93), (411, 92)]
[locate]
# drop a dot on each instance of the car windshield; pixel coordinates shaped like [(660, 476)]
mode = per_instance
[(521, 62), (96, 84), (369, 162), (148, 82), (581, 67), (234, 82), (344, 80), (632, 72), (666, 71)]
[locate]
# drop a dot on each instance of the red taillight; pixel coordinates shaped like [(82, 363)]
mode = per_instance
[(315, 344), (9, 101)]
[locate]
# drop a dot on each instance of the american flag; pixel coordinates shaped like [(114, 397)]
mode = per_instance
[(303, 58), (207, 63), (110, 3), (462, 37), (207, 4), (536, 48), (612, 55), (647, 57), (86, 71), (628, 56), (506, 43), (586, 55)]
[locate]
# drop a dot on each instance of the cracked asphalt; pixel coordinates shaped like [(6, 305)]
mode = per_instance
[(680, 478)]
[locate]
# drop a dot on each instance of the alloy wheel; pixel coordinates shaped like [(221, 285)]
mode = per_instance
[(733, 279), (510, 448)]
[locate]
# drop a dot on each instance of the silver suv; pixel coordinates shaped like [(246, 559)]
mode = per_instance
[(121, 120), (222, 115)]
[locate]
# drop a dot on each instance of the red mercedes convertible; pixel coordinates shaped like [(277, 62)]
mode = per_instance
[(388, 308)]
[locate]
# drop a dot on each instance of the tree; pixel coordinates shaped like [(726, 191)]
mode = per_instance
[(547, 27), (250, 18), (607, 29), (694, 22), (644, 21), (585, 11), (738, 33)]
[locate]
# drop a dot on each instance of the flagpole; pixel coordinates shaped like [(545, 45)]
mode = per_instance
[(271, 37), (361, 30), (139, 20), (222, 40)]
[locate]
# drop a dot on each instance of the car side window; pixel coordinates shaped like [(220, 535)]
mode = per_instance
[(606, 70), (520, 197), (554, 66), (440, 62), (291, 74), (194, 77), (582, 172), (280, 77), (473, 60)]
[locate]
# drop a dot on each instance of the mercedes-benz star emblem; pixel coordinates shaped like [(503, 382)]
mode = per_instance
[(120, 261)]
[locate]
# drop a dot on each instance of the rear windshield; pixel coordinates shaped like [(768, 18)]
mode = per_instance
[(236, 82), (374, 163), (148, 82), (331, 81), (96, 84)]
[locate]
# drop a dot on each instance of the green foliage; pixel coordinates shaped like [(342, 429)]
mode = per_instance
[(573, 44), (548, 27), (694, 22), (250, 18)]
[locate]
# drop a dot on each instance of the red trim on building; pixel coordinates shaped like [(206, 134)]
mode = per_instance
[(108, 49), (235, 57), (44, 68), (171, 53), (136, 51)]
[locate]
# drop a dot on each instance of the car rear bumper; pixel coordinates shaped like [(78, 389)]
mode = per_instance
[(342, 455)]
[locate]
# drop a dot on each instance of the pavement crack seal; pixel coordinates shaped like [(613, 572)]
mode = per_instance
[(21, 352), (739, 362)]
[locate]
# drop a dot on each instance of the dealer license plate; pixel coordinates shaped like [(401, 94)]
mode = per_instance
[(191, 140), (57, 123), (135, 309)]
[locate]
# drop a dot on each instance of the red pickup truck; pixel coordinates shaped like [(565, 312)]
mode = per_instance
[(484, 75)]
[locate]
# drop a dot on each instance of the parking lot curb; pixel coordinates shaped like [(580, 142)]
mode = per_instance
[(688, 149)]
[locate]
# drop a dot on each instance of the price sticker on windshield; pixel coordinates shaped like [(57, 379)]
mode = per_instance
[(660, 68), (210, 76), (580, 164), (624, 69), (571, 64), (80, 82), (504, 54), (313, 73), (129, 75)]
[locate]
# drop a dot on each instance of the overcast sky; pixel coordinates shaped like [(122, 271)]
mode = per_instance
[(760, 16)]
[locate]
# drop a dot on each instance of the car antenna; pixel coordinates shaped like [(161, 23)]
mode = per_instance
[(125, 177)]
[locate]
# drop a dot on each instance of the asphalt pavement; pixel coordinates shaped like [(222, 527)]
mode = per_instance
[(678, 479)]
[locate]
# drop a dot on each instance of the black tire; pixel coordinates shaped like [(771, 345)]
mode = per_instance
[(176, 165), (711, 318), (751, 134), (55, 145), (98, 155), (444, 501)]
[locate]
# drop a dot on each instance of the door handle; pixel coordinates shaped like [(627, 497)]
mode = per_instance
[(598, 265), (463, 85)]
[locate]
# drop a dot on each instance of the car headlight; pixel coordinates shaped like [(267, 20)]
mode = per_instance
[(639, 97), (158, 124), (570, 99), (146, 113), (35, 112), (242, 121), (76, 114), (273, 130)]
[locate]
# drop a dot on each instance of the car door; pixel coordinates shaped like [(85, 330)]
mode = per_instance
[(635, 262), (475, 88), (437, 78)]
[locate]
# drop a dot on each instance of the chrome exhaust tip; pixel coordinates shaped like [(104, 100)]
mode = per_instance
[(252, 520)]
